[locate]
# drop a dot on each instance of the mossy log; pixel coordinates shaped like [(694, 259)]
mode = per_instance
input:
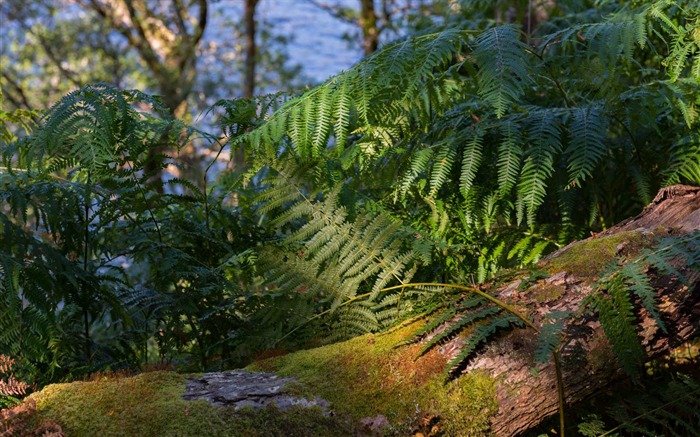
[(526, 391), (376, 388)]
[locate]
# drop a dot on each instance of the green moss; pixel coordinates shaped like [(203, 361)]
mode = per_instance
[(543, 293), (367, 376), (151, 404), (466, 404), (588, 258), (363, 378)]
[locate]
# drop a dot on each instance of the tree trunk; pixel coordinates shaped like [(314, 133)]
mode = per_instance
[(368, 24), (588, 362), (250, 48), (249, 64)]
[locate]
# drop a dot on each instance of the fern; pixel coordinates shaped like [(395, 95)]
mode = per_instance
[(462, 322), (471, 160), (335, 258), (366, 90), (668, 406), (98, 126), (635, 278), (544, 136), (587, 145), (503, 71), (550, 337), (616, 314), (623, 285), (481, 333), (685, 161), (510, 153)]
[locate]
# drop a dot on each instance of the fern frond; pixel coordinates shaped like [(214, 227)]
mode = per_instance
[(685, 161), (444, 159), (367, 88), (638, 282), (461, 323), (481, 333), (588, 131), (509, 156), (616, 315), (471, 159), (96, 126), (550, 336), (336, 256), (503, 71), (544, 140)]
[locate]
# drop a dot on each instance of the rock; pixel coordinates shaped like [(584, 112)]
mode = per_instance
[(239, 388)]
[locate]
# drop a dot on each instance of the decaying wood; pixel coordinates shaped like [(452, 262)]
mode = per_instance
[(527, 392)]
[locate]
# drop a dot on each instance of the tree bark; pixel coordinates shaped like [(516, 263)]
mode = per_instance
[(368, 24), (250, 48), (527, 397), (166, 42)]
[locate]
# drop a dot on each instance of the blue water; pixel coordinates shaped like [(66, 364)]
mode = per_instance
[(316, 36)]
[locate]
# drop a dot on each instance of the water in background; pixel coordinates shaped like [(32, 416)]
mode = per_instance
[(317, 42)]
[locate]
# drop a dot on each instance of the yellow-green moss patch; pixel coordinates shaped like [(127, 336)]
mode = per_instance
[(367, 377), (588, 258), (151, 404)]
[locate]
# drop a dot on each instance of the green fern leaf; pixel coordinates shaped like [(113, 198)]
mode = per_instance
[(588, 130), (616, 314), (509, 156), (479, 334), (471, 159), (503, 71)]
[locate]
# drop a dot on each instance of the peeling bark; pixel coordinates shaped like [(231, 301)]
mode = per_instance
[(527, 391)]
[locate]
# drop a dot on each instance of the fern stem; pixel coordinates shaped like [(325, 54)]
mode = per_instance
[(84, 297), (560, 392), (476, 291), (13, 169), (206, 172)]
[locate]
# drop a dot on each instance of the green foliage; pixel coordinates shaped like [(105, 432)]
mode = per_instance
[(441, 159), (503, 69), (668, 405), (550, 336), (627, 286), (616, 314), (329, 258), (103, 270)]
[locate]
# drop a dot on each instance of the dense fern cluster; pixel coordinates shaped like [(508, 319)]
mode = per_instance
[(470, 146), (97, 265), (492, 148)]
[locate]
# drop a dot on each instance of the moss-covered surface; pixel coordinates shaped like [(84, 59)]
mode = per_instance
[(151, 404), (586, 259), (366, 377)]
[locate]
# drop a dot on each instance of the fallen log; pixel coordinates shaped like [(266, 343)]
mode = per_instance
[(527, 391), (367, 386)]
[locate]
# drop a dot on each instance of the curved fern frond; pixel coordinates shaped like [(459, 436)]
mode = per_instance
[(97, 126), (367, 90)]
